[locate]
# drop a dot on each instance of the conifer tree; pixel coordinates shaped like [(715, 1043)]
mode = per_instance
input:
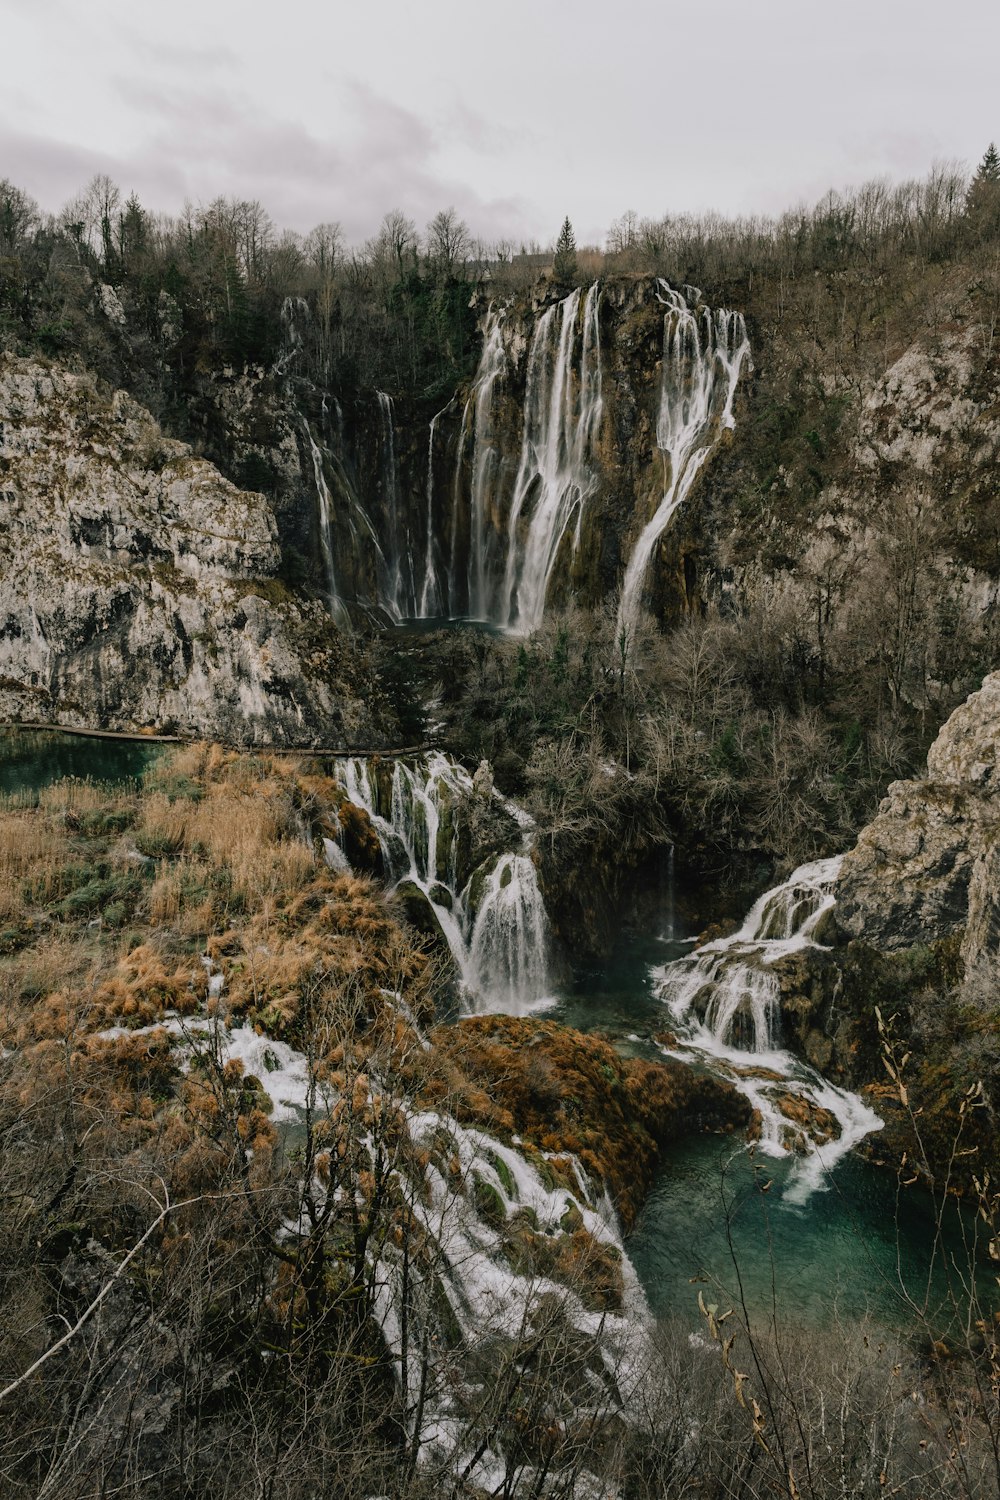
[(564, 265), (984, 189)]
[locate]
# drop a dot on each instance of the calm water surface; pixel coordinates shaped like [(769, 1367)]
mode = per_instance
[(716, 1219), (31, 760)]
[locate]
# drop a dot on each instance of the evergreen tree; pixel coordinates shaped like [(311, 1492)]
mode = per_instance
[(564, 265), (984, 190)]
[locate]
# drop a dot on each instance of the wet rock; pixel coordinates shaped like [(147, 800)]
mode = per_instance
[(418, 910)]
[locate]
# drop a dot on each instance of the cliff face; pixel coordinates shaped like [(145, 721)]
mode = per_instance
[(137, 584), (928, 866)]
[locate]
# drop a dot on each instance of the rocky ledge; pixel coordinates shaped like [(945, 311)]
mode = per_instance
[(928, 866), (138, 588)]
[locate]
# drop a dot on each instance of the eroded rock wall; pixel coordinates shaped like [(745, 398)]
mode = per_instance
[(926, 867), (137, 584)]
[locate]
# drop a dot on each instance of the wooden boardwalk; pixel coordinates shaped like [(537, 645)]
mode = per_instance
[(324, 752)]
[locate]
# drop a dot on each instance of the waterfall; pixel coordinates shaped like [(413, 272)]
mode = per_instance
[(324, 500), (446, 1292), (396, 587), (467, 592), (430, 593), (725, 1001), (494, 921), (562, 415), (510, 937), (703, 355)]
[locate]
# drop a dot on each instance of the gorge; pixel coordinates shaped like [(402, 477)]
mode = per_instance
[(552, 900)]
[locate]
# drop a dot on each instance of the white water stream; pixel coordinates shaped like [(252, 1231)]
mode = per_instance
[(704, 352), (725, 1003), (562, 416), (494, 921)]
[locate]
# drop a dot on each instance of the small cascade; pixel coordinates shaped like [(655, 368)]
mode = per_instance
[(494, 921), (475, 1191), (510, 937), (725, 1000), (704, 352), (562, 415)]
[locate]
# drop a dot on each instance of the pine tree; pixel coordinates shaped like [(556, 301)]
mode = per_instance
[(564, 265), (984, 189)]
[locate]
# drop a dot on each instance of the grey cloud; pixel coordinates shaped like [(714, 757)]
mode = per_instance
[(174, 55), (203, 144)]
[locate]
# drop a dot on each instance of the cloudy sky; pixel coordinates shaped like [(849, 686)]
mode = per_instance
[(517, 112)]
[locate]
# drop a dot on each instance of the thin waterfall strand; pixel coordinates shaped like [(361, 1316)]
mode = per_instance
[(703, 355), (430, 593)]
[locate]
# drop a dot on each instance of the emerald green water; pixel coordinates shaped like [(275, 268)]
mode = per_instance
[(33, 759), (859, 1247)]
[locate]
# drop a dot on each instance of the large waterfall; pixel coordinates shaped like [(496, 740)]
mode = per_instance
[(504, 547), (562, 414), (501, 539), (725, 1002), (493, 917), (470, 594), (703, 355)]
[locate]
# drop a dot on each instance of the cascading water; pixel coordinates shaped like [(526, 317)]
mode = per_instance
[(500, 569), (725, 1002), (431, 602), (562, 416), (703, 355), (349, 537), (396, 588), (467, 593), (510, 936), (494, 922), (326, 542)]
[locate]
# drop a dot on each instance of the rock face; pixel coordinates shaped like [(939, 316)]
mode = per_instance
[(136, 583), (928, 866)]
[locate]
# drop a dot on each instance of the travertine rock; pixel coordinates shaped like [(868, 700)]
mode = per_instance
[(928, 866), (137, 584)]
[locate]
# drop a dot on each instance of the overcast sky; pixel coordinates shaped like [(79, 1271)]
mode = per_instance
[(516, 112)]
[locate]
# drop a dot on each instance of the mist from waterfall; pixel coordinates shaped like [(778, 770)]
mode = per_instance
[(704, 352)]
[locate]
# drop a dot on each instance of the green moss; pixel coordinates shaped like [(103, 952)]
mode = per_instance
[(489, 1204), (502, 1170)]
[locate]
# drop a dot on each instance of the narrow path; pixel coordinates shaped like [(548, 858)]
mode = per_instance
[(137, 737)]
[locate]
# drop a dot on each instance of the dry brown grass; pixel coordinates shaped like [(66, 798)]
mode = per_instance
[(246, 824), (31, 846)]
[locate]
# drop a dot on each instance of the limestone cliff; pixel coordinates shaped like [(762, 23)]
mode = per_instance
[(137, 584), (926, 868)]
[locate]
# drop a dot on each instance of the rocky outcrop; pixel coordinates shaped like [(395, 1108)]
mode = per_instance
[(137, 584), (926, 868)]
